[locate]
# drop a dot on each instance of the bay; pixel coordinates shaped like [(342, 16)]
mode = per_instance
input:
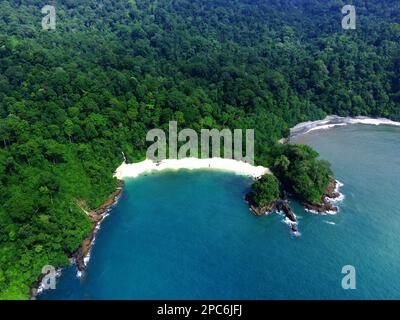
[(190, 234)]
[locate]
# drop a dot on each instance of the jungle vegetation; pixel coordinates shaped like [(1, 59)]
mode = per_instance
[(72, 99)]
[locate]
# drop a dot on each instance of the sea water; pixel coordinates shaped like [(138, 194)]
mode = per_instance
[(190, 234)]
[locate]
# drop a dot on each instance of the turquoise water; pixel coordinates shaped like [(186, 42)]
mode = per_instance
[(190, 235)]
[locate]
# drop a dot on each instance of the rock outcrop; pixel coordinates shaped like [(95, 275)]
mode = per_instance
[(283, 206), (325, 205), (96, 215)]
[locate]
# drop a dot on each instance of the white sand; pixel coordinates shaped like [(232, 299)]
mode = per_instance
[(334, 121), (239, 167)]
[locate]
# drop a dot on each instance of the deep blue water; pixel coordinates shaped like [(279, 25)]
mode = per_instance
[(190, 235)]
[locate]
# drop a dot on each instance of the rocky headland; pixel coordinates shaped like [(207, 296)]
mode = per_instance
[(326, 205), (96, 216), (79, 257)]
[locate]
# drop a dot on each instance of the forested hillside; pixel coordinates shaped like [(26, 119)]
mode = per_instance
[(73, 98)]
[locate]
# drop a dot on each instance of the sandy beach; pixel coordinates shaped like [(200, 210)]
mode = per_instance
[(335, 121), (134, 169)]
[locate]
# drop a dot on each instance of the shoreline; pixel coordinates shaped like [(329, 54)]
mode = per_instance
[(282, 207), (81, 256), (147, 166), (329, 200), (132, 170), (336, 121)]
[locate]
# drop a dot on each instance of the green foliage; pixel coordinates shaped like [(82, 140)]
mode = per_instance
[(72, 99), (298, 168), (265, 191)]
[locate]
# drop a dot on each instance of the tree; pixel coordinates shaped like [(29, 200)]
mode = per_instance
[(265, 191), (302, 174)]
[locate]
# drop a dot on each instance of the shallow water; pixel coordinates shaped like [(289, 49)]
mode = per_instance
[(190, 235)]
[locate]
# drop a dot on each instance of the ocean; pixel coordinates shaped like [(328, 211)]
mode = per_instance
[(190, 234)]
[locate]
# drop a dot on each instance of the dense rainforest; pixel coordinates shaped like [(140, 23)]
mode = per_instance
[(73, 98)]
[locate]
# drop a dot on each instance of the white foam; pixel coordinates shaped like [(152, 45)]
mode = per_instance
[(312, 211), (290, 223), (339, 184), (287, 221), (326, 127), (341, 196), (331, 212), (296, 234), (87, 258), (334, 121)]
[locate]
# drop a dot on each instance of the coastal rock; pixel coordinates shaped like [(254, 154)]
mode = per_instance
[(96, 217), (263, 210), (79, 259), (284, 207), (326, 205), (33, 293), (109, 202), (331, 189), (280, 205), (323, 207), (260, 211)]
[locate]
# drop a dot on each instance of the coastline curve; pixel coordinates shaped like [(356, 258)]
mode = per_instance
[(335, 121), (133, 170)]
